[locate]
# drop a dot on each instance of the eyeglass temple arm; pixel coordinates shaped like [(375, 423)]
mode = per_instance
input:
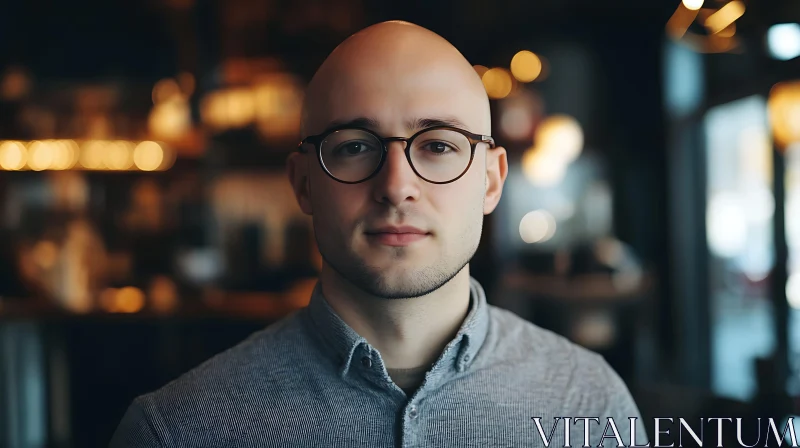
[(310, 140)]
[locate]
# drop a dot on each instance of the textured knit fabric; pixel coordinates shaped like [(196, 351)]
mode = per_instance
[(310, 380)]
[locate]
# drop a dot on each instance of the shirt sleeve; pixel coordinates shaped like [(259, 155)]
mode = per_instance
[(599, 400), (136, 429)]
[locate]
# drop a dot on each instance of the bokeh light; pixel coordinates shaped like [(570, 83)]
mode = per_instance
[(166, 90), (148, 156), (784, 112), (537, 226), (187, 83), (542, 168), (15, 84), (278, 100), (163, 295), (41, 155), (66, 154), (725, 16), (13, 155), (170, 120), (693, 5), (129, 300), (526, 66), (45, 254), (726, 222), (561, 136), (118, 155), (793, 290), (783, 41), (92, 155), (729, 31), (497, 82)]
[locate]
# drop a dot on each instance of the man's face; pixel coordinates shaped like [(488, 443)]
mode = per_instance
[(350, 220)]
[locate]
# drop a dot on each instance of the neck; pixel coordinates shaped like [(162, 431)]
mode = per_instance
[(407, 332)]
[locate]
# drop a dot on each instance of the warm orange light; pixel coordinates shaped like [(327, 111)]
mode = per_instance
[(165, 90), (92, 155), (13, 155), (240, 107), (229, 108), (693, 5), (163, 295), (278, 100), (170, 120), (724, 16), (681, 20), (65, 154), (45, 254), (213, 110), (542, 168), (15, 84), (108, 300), (497, 82), (118, 155), (130, 300), (784, 113), (526, 66), (480, 69), (729, 31), (187, 84), (41, 155), (148, 156)]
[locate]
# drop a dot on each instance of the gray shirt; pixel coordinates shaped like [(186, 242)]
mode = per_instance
[(310, 380)]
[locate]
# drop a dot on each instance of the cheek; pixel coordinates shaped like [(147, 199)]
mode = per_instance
[(335, 205), (461, 203)]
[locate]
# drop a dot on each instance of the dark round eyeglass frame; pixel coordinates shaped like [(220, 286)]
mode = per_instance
[(317, 140)]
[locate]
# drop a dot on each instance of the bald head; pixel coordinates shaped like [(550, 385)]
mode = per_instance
[(397, 80), (385, 71)]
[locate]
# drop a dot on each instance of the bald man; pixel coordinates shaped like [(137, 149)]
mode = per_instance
[(398, 346)]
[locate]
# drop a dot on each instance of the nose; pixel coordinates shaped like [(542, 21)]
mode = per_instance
[(396, 182)]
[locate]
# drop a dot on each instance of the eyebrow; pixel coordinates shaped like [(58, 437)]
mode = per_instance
[(414, 124)]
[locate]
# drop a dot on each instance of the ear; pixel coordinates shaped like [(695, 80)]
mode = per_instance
[(496, 173), (297, 171)]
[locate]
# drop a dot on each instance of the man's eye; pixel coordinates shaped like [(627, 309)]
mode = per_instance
[(439, 147), (354, 148)]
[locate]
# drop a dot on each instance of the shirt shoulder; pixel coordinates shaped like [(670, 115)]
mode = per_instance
[(250, 375), (260, 357), (586, 383), (516, 339)]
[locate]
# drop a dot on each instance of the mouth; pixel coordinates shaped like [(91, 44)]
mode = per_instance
[(396, 236)]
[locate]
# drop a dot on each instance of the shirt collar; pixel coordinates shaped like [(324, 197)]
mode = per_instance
[(344, 342)]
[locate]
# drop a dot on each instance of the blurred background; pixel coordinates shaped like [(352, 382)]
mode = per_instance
[(652, 210)]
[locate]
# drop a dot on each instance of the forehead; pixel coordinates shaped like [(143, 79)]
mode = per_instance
[(397, 96)]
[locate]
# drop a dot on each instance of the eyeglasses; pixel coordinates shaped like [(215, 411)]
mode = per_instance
[(438, 155)]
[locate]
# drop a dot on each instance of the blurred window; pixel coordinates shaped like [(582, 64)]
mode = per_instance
[(739, 212)]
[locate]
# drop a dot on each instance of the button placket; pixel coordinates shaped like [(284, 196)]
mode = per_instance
[(366, 361)]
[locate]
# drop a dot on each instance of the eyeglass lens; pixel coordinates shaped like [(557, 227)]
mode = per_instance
[(438, 155)]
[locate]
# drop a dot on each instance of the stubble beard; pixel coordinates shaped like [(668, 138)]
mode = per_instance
[(415, 282)]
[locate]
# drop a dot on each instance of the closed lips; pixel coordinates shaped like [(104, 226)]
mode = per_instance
[(402, 229)]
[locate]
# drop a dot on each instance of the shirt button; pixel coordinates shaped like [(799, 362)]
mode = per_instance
[(412, 412), (466, 357), (366, 362)]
